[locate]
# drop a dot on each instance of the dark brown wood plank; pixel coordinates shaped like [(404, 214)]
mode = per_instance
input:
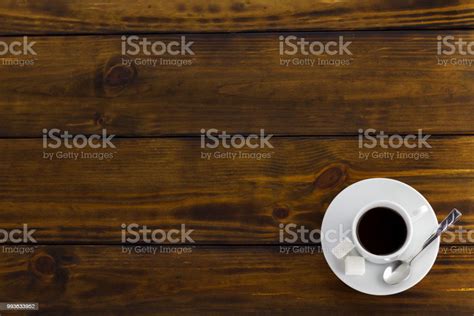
[(236, 83), (98, 280), (164, 183), (88, 16)]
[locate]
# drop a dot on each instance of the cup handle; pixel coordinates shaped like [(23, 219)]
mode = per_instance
[(418, 213)]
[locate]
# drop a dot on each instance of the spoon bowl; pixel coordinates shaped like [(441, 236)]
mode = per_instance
[(396, 272)]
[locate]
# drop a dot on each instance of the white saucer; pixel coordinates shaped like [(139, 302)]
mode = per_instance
[(343, 209)]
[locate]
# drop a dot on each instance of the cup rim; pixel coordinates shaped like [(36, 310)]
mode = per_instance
[(400, 210)]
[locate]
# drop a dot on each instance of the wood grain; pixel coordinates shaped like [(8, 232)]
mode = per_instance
[(164, 183), (89, 16), (100, 280), (157, 176), (236, 83)]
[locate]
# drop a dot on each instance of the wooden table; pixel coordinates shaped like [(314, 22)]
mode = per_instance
[(236, 83)]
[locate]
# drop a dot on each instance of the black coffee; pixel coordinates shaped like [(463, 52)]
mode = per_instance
[(382, 231)]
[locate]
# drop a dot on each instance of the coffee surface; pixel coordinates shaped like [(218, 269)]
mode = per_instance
[(382, 231)]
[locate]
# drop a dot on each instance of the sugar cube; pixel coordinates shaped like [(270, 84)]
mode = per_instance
[(343, 248), (354, 265)]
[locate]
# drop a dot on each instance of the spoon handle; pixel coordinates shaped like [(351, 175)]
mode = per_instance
[(452, 218)]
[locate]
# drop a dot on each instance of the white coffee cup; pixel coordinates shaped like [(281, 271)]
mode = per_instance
[(409, 216)]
